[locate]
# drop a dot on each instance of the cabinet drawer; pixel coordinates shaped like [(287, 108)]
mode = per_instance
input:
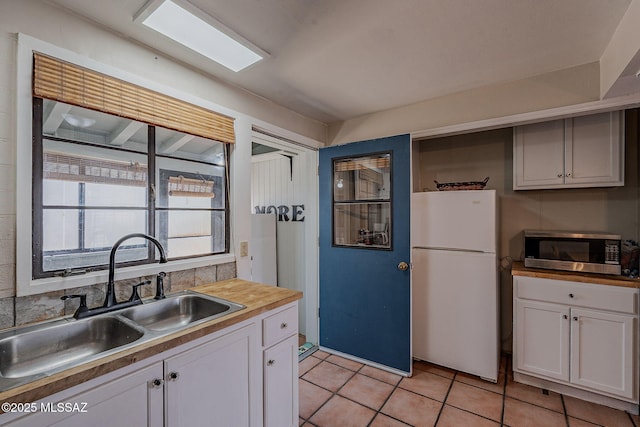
[(575, 294), (279, 326)]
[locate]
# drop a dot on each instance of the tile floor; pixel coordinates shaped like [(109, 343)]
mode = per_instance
[(336, 392)]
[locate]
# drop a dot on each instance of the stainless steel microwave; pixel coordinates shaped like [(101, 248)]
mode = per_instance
[(572, 251)]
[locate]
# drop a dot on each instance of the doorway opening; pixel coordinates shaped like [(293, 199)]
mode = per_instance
[(284, 233)]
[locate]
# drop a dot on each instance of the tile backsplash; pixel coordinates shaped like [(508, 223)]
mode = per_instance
[(18, 311)]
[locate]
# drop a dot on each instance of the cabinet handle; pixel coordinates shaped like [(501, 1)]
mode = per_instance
[(156, 383), (173, 376), (570, 295), (565, 316), (568, 174), (559, 175), (271, 362), (283, 325), (575, 318)]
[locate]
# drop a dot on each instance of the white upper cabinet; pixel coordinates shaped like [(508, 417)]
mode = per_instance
[(585, 151)]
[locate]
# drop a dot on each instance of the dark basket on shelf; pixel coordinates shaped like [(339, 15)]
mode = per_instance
[(469, 185)]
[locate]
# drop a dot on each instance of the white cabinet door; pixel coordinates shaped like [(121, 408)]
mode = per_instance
[(131, 400), (542, 339), (602, 350), (281, 384), (593, 147), (539, 155), (586, 151), (215, 383)]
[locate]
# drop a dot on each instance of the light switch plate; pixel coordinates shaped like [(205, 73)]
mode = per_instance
[(244, 249)]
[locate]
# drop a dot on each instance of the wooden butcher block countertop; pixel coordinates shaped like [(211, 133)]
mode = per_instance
[(518, 269), (256, 297)]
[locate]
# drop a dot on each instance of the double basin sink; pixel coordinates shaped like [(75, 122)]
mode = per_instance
[(33, 352)]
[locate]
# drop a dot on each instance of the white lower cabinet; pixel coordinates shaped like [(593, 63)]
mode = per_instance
[(280, 365), (212, 383), (584, 347), (542, 339), (217, 381), (281, 384), (130, 400), (602, 352)]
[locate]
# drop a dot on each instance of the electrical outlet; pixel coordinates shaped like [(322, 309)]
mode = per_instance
[(244, 249)]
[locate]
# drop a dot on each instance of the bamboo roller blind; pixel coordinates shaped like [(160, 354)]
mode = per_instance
[(66, 167), (75, 85)]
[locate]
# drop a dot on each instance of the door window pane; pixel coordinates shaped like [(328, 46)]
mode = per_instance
[(362, 201), (362, 178)]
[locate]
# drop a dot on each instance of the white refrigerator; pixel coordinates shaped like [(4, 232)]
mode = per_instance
[(455, 293)]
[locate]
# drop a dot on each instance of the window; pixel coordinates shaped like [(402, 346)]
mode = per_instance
[(98, 177), (362, 201)]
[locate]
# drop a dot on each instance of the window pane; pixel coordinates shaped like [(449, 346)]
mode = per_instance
[(60, 229), (115, 195), (190, 185), (362, 178), (104, 227), (362, 224), (178, 145), (362, 201), (80, 124), (60, 193), (191, 232), (109, 177), (188, 223), (63, 260), (189, 246)]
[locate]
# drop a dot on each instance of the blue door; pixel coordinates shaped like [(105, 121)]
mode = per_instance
[(364, 250)]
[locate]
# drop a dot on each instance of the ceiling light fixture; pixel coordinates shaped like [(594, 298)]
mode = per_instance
[(193, 28), (78, 121)]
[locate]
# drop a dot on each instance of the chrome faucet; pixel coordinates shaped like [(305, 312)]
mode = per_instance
[(110, 298)]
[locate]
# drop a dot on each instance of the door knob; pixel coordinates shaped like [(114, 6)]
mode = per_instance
[(403, 266)]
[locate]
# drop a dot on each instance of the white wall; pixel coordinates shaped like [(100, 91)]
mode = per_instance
[(566, 87), (42, 21)]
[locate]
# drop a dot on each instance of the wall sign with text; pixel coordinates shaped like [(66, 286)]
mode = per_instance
[(284, 213)]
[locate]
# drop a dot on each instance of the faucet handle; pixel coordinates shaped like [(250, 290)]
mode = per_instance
[(83, 303), (160, 285), (134, 293)]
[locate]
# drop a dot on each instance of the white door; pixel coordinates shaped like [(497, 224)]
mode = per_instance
[(539, 154), (455, 310), (454, 219), (215, 383), (593, 147), (542, 339), (602, 348), (280, 367), (131, 400)]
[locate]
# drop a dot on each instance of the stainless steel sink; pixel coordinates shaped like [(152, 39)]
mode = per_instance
[(63, 344), (179, 311), (32, 352)]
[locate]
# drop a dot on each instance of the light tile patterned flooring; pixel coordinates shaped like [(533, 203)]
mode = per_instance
[(336, 392)]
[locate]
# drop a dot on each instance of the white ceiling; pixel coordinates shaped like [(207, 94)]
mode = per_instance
[(334, 60)]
